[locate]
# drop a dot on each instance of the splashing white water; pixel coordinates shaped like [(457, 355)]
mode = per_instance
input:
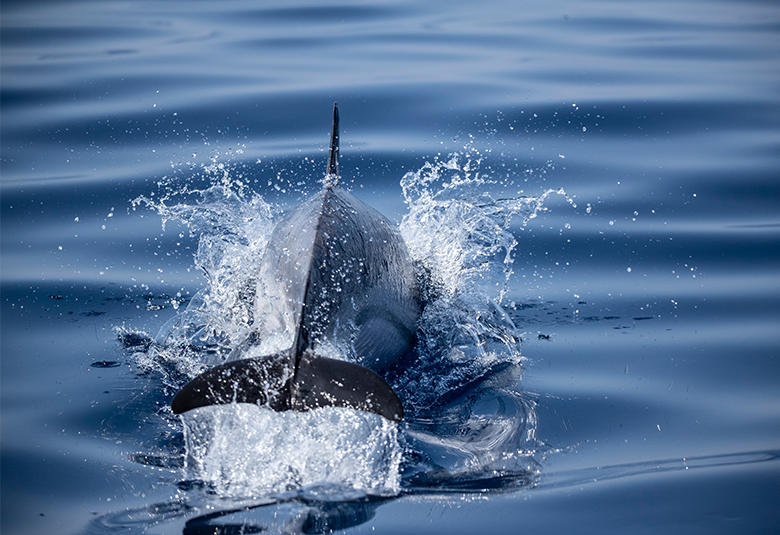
[(459, 230), (233, 225), (459, 237), (246, 450)]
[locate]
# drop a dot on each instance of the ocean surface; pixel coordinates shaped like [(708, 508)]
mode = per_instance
[(591, 188)]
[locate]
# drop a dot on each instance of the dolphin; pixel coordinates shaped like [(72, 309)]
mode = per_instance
[(336, 306)]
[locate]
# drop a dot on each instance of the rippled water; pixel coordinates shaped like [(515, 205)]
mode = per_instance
[(644, 395)]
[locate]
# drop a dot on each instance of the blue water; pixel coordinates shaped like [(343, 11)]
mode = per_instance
[(644, 397)]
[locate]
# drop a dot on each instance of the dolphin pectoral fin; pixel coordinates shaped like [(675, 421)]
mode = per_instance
[(324, 382), (257, 380)]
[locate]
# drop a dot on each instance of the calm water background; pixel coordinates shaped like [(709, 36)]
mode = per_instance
[(658, 386)]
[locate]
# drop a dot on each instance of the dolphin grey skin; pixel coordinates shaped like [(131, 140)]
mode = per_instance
[(335, 277)]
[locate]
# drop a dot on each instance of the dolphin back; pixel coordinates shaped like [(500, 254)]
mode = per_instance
[(337, 273), (335, 280)]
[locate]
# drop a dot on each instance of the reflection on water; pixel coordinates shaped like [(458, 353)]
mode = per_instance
[(569, 478), (324, 509), (309, 511)]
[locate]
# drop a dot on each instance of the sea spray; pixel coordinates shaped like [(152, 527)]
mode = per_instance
[(460, 386)]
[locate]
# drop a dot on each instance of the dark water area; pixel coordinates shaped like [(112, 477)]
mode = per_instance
[(644, 397)]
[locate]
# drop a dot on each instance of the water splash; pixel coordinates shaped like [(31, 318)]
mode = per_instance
[(461, 395), (459, 236), (233, 225), (468, 426), (458, 230), (246, 450)]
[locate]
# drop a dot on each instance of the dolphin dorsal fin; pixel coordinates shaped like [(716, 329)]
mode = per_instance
[(333, 176)]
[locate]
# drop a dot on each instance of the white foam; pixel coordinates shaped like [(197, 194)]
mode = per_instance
[(246, 450)]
